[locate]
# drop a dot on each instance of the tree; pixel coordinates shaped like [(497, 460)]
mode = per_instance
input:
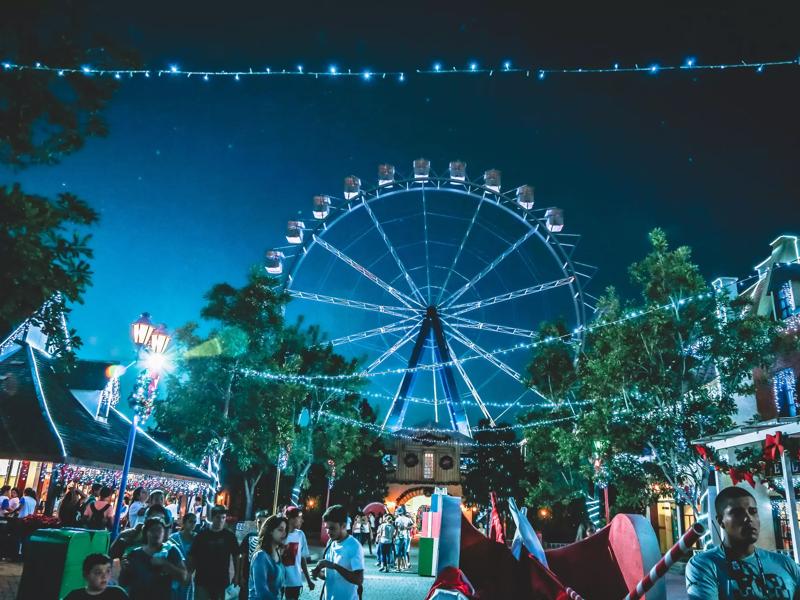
[(240, 391), (364, 477), (554, 476), (213, 407), (44, 252), (321, 437), (496, 465), (664, 374), (45, 116)]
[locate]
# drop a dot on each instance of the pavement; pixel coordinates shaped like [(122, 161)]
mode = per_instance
[(377, 585)]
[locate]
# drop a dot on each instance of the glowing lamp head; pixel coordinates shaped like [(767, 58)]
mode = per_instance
[(156, 363), (142, 329), (332, 70), (173, 68), (507, 65), (473, 66), (437, 67), (159, 339), (115, 371)]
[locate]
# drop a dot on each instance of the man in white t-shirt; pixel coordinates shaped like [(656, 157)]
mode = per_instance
[(27, 504), (403, 524), (343, 561), (295, 555)]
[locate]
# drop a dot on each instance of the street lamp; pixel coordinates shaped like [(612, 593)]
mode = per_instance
[(154, 340)]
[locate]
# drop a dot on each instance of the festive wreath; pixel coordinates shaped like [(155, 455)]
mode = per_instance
[(411, 460), (446, 463), (753, 462)]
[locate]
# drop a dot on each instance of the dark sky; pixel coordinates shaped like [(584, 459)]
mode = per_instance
[(197, 179)]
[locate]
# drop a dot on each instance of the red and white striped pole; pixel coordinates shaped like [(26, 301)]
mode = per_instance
[(662, 566)]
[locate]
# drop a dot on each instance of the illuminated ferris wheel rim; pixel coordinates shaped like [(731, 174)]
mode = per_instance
[(414, 310)]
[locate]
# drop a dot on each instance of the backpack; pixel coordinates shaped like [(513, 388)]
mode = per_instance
[(98, 518)]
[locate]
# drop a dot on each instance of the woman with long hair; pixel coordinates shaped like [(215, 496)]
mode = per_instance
[(70, 506), (266, 570)]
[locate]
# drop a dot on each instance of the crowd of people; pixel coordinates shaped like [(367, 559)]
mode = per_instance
[(201, 559)]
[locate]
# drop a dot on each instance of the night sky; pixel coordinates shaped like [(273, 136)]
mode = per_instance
[(197, 179)]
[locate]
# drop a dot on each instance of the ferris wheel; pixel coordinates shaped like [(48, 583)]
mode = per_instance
[(438, 284)]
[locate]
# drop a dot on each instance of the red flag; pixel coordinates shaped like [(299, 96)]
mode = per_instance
[(452, 579), (495, 524)]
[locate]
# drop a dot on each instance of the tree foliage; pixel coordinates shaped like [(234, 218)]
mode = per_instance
[(233, 396), (495, 465), (45, 116), (660, 372)]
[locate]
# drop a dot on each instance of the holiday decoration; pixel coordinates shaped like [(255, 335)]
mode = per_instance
[(446, 463), (411, 460)]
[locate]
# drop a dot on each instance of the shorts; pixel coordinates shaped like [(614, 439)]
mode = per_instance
[(401, 546)]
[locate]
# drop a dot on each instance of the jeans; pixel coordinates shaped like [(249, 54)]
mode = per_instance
[(401, 547), (384, 553)]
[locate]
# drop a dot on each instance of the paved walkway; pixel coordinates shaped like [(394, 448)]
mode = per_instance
[(384, 586), (378, 586)]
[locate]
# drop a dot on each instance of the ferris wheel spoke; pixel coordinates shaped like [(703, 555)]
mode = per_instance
[(490, 267), (427, 252), (461, 322), (397, 345), (459, 309), (414, 289), (401, 325), (397, 311), (472, 389), (488, 356), (458, 252), (403, 298)]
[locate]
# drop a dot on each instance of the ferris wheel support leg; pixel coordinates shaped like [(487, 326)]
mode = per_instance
[(455, 408), (397, 411)]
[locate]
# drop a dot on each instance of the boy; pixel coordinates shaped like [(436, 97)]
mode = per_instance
[(295, 555), (97, 572)]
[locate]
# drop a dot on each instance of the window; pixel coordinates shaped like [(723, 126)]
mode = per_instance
[(784, 386), (785, 307), (427, 465)]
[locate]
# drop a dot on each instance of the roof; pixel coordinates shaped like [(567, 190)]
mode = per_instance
[(751, 434), (40, 419), (88, 375), (782, 273)]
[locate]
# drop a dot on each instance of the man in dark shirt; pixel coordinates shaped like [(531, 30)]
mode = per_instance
[(210, 558)]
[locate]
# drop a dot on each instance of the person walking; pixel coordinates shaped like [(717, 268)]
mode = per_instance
[(267, 571), (211, 555), (4, 492), (148, 571), (183, 540), (343, 561), (247, 550), (385, 538), (99, 513), (156, 502), (295, 555)]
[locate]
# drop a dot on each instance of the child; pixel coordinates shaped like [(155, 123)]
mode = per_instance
[(96, 572)]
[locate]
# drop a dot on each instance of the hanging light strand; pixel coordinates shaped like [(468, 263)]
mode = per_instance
[(437, 69)]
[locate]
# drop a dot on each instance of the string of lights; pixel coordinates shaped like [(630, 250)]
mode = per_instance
[(676, 305), (436, 69), (416, 400), (418, 433)]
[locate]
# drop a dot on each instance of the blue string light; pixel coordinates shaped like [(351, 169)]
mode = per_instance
[(473, 68)]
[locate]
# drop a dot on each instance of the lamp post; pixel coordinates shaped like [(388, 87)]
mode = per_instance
[(154, 340)]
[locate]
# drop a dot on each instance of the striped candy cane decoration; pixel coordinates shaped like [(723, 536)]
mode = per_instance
[(573, 594), (663, 565)]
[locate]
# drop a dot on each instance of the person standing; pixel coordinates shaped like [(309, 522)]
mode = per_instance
[(247, 550), (148, 571), (99, 513), (737, 570), (69, 506), (27, 504), (267, 573), (403, 524), (373, 530), (385, 538), (296, 555), (156, 502), (4, 491), (211, 555), (97, 574), (13, 500), (343, 561), (183, 540), (137, 508)]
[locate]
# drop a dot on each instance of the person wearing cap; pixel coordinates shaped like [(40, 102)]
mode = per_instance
[(211, 555)]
